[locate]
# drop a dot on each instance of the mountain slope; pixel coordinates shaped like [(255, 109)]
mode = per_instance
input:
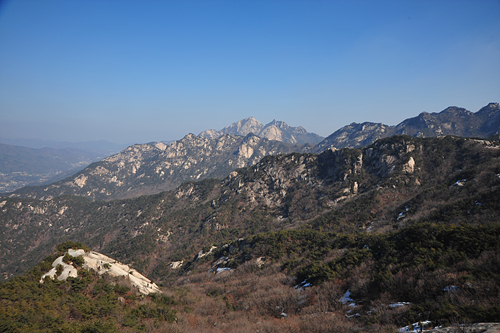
[(155, 167), (446, 275), (355, 135), (394, 182), (370, 239), (275, 130), (451, 121)]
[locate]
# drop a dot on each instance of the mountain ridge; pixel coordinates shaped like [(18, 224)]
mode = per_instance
[(154, 167), (451, 121)]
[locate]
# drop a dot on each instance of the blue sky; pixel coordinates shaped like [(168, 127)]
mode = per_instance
[(141, 71)]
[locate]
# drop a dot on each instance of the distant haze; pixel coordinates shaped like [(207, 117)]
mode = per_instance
[(135, 72)]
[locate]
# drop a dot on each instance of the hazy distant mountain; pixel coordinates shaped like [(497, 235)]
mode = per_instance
[(22, 166), (275, 130), (154, 167), (100, 148), (451, 121)]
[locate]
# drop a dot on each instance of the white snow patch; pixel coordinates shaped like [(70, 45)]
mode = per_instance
[(222, 269), (415, 327), (354, 315), (346, 298), (450, 289), (303, 284), (399, 304)]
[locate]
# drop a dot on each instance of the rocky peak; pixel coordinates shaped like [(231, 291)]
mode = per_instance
[(275, 130), (273, 133), (279, 124), (190, 136), (489, 110), (244, 127), (209, 134), (453, 110), (451, 121)]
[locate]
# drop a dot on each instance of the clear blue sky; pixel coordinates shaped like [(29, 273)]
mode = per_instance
[(140, 71)]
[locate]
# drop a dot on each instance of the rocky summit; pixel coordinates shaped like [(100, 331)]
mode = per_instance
[(275, 130)]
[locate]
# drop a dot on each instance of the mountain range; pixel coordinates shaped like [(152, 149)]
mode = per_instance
[(158, 166), (265, 235), (451, 121), (283, 191), (402, 231), (154, 167)]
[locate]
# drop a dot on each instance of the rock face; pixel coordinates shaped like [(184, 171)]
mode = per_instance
[(155, 167), (450, 121), (275, 130), (102, 265)]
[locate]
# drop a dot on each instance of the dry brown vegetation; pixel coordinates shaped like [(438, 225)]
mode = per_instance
[(254, 299)]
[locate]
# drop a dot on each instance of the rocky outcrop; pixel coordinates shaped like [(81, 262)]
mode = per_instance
[(102, 265)]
